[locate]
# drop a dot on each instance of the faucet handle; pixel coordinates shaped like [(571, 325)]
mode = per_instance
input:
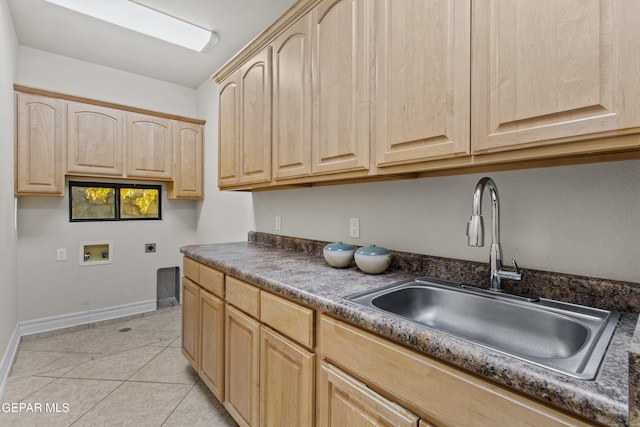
[(515, 266)]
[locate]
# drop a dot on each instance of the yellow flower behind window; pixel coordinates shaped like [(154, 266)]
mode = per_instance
[(144, 201), (97, 193)]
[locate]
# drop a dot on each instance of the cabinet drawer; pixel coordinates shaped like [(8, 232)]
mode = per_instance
[(431, 388), (356, 403), (244, 296), (191, 269), (289, 318), (212, 280)]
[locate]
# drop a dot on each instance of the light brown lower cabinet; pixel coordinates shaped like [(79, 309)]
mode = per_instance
[(345, 401), (286, 382), (211, 366), (190, 321), (282, 368), (242, 367), (434, 390)]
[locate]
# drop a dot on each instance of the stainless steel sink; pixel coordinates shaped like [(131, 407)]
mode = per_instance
[(564, 337)]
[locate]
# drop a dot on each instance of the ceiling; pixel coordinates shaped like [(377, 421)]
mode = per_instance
[(51, 28)]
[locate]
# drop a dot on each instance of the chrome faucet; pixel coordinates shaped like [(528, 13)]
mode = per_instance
[(475, 233)]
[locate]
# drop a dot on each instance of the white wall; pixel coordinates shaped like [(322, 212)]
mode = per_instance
[(8, 236), (577, 219), (223, 216), (44, 70), (48, 288)]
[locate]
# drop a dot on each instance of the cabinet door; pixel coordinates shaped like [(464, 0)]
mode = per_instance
[(149, 147), (422, 81), (212, 343), (553, 71), (95, 140), (242, 367), (286, 382), (348, 402), (341, 52), (292, 101), (39, 146), (255, 115), (190, 321), (188, 178), (229, 131)]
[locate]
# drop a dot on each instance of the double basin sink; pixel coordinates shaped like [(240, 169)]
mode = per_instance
[(563, 337)]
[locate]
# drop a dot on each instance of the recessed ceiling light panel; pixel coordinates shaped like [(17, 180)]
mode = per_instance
[(136, 17)]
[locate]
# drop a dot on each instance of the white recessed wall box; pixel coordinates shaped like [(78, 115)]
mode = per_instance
[(96, 253)]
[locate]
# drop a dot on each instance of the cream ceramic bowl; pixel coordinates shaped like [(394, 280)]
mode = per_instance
[(373, 259), (338, 255)]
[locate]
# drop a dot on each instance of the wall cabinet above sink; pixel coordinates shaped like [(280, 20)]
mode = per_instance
[(60, 135), (413, 89)]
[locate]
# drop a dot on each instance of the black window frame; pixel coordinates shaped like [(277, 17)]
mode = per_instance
[(117, 187)]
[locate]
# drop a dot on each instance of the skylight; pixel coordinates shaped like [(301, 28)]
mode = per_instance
[(136, 17)]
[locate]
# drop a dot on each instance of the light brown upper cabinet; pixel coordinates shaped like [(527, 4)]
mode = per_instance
[(551, 71), (292, 101), (229, 131), (60, 135), (245, 123), (149, 146), (255, 119), (416, 88), (95, 140), (188, 181), (423, 80), (341, 59), (40, 141)]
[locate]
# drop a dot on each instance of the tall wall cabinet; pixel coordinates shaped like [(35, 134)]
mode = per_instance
[(60, 135), (381, 89)]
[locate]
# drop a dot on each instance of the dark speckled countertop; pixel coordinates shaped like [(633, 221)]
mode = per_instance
[(296, 269)]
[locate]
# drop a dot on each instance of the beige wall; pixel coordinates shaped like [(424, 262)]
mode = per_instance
[(56, 288), (49, 288), (578, 219), (8, 236), (224, 216)]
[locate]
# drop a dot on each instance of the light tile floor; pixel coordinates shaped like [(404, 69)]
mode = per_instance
[(123, 373)]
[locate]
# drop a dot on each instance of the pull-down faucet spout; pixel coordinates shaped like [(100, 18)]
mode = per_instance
[(475, 233)]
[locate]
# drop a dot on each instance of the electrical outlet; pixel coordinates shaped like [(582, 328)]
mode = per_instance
[(278, 223), (61, 254), (354, 228)]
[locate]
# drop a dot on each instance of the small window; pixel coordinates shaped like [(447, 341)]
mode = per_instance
[(99, 201)]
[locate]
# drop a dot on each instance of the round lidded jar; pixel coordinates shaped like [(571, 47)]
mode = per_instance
[(338, 255), (373, 259)]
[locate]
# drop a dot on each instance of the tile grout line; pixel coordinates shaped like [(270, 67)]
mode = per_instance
[(180, 403), (98, 402), (162, 339)]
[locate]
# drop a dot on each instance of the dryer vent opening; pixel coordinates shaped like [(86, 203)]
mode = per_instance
[(168, 287)]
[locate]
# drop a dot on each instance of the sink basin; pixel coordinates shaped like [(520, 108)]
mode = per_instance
[(564, 337)]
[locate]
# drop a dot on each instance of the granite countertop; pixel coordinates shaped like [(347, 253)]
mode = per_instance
[(306, 278)]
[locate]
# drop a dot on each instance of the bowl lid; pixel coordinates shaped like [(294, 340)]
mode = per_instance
[(338, 246), (372, 250)]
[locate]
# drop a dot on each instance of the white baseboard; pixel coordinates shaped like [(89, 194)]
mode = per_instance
[(8, 357), (30, 327), (37, 326)]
